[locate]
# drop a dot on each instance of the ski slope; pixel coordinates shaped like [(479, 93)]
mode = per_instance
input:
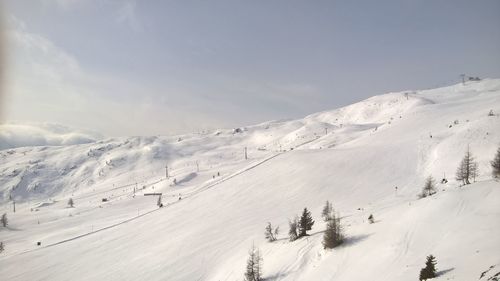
[(220, 202)]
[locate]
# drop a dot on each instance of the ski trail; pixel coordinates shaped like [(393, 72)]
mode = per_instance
[(248, 168), (203, 188)]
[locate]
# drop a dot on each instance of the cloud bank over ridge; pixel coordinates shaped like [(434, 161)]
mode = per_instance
[(14, 135)]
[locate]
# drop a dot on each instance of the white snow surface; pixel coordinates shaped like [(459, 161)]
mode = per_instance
[(353, 156)]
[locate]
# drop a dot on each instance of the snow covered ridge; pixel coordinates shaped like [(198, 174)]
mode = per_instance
[(224, 187), (13, 135)]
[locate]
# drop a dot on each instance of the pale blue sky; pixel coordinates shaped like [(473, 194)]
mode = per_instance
[(162, 67)]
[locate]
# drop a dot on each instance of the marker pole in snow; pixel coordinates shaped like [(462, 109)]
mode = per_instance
[(246, 156), (166, 171), (14, 205)]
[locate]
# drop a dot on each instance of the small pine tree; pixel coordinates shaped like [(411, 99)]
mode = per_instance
[(71, 203), (429, 271), (271, 234), (429, 187), (4, 220), (305, 223), (327, 211), (333, 235), (258, 266), (254, 265), (474, 171), (292, 231), (1, 247), (495, 164), (371, 219), (468, 169)]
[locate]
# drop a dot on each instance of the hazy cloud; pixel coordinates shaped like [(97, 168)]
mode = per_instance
[(47, 83), (14, 135)]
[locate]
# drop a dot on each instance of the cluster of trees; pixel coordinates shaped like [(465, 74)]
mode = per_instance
[(333, 236), (298, 227), (467, 171)]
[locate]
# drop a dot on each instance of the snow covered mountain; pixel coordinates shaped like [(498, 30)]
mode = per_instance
[(224, 186)]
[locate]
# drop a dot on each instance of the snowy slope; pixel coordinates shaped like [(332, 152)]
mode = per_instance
[(353, 156)]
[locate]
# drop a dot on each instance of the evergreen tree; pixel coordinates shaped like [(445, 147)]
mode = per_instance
[(4, 220), (495, 164), (1, 247), (333, 235), (468, 169), (371, 219), (305, 223), (327, 211), (254, 265), (271, 234), (159, 203), (258, 266), (70, 202), (429, 187), (292, 232), (429, 271)]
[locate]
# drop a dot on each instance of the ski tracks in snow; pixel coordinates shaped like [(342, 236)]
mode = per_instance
[(203, 188)]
